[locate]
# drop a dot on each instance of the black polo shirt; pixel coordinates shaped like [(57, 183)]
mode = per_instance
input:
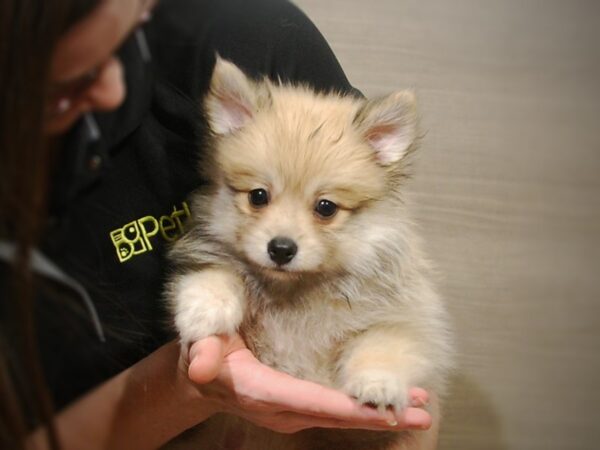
[(120, 200)]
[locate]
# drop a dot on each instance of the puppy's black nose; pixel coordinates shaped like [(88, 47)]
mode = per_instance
[(282, 250)]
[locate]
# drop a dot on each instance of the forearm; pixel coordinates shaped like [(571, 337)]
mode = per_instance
[(142, 408)]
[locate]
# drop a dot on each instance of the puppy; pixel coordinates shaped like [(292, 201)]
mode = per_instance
[(302, 243)]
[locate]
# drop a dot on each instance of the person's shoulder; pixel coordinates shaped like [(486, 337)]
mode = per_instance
[(271, 38), (177, 23)]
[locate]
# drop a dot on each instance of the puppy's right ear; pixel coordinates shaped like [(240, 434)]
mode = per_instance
[(232, 98), (389, 125)]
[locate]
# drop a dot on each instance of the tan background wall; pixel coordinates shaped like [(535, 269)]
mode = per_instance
[(507, 187)]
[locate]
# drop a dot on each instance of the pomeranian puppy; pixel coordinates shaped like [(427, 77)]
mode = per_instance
[(302, 243)]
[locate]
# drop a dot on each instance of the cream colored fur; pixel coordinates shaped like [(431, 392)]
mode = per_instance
[(354, 309)]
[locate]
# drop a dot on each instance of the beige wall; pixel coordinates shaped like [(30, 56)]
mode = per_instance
[(507, 188)]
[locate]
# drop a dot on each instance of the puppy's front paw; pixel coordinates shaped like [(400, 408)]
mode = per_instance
[(206, 303), (379, 388)]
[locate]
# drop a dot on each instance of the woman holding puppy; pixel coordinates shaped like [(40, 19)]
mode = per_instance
[(99, 133)]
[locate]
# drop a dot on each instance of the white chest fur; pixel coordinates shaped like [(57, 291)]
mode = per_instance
[(304, 338)]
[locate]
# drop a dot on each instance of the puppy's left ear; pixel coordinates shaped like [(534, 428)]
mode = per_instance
[(232, 100), (389, 125)]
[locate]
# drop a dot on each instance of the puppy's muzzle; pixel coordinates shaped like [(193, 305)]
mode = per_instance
[(282, 250)]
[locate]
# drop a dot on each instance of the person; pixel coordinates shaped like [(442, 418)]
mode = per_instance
[(100, 128)]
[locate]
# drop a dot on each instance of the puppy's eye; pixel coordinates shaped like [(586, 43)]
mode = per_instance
[(326, 208), (258, 197)]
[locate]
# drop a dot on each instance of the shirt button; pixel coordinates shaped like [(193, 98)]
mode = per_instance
[(95, 162)]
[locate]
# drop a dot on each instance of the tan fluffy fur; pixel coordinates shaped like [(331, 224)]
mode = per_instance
[(354, 309)]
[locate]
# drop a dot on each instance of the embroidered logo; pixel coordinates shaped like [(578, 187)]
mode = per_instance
[(134, 238)]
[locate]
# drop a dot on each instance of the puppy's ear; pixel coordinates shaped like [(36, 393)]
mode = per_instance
[(389, 125), (232, 99)]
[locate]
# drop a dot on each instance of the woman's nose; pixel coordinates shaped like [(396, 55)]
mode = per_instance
[(108, 90)]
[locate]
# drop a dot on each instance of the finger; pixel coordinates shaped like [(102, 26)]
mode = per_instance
[(408, 419), (413, 419), (305, 397), (206, 359), (418, 397), (312, 399)]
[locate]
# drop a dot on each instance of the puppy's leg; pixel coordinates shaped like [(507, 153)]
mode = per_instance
[(207, 302), (380, 365)]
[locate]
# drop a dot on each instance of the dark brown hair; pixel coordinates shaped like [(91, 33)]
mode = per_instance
[(29, 31)]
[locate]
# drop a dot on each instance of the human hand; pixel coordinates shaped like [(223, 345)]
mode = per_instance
[(232, 380)]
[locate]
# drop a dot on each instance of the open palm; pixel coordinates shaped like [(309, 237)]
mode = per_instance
[(230, 377)]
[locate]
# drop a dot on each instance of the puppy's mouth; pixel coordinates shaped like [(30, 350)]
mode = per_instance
[(282, 271), (279, 272), (291, 279)]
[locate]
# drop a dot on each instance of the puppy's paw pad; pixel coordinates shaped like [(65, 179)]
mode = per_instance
[(378, 388)]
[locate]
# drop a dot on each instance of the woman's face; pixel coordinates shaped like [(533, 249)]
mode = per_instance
[(85, 73)]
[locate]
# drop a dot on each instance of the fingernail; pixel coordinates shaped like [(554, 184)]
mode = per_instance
[(390, 419)]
